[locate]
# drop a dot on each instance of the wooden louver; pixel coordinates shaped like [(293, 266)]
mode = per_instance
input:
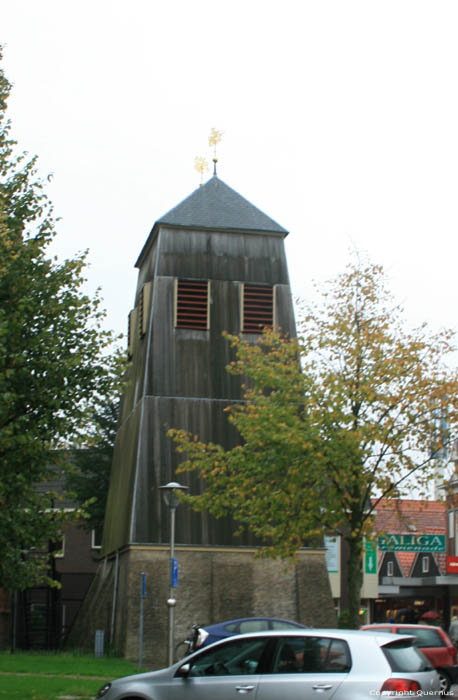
[(143, 308), (131, 325), (141, 316), (258, 307), (192, 304)]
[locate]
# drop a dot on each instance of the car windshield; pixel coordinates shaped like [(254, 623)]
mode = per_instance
[(424, 637), (404, 657)]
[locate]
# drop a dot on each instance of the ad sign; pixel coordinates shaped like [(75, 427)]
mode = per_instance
[(411, 543)]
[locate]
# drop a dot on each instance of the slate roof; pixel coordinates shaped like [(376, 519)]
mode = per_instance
[(215, 205)]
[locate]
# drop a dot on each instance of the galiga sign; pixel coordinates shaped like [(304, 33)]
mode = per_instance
[(411, 543)]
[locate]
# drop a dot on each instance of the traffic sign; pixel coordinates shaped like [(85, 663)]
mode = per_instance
[(370, 559), (174, 572)]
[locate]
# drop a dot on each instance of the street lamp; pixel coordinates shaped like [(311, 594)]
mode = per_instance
[(171, 498)]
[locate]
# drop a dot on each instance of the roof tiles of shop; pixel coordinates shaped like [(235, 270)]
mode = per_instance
[(409, 515)]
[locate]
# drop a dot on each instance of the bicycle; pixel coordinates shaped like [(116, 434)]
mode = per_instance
[(187, 646)]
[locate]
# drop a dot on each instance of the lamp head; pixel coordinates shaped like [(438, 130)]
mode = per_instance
[(170, 493)]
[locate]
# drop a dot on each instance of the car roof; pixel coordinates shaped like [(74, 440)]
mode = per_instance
[(386, 638), (252, 619), (403, 625)]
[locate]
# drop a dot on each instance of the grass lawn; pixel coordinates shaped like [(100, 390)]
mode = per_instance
[(48, 676)]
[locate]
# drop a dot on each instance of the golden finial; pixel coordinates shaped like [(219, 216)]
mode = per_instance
[(201, 165), (213, 140)]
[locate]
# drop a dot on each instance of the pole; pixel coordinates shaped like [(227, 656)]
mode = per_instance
[(115, 598), (172, 499), (140, 627), (171, 601)]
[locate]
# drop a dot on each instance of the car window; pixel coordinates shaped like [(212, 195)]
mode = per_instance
[(424, 637), (279, 625), (253, 626), (404, 657), (311, 655), (233, 627), (239, 657)]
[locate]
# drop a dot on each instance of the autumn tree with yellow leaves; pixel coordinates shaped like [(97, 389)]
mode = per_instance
[(331, 422)]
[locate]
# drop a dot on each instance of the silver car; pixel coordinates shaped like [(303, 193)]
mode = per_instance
[(289, 665)]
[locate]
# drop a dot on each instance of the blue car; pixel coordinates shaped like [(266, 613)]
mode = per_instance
[(220, 630)]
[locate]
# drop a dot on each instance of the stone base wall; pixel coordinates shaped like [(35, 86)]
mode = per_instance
[(214, 584)]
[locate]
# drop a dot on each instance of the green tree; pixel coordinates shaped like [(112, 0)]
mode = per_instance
[(330, 424), (90, 478), (54, 362)]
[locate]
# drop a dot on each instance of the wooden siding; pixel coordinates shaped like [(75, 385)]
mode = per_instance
[(177, 378), (136, 512), (224, 256)]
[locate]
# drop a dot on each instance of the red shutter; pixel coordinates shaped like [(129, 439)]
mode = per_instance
[(192, 304), (258, 308)]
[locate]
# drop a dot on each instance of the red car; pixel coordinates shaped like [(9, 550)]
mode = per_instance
[(435, 645)]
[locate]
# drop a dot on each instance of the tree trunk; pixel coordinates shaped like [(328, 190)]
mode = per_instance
[(354, 580)]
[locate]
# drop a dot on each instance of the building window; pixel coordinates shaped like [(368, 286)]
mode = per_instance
[(192, 304), (96, 538), (425, 565), (390, 568), (59, 548), (257, 307)]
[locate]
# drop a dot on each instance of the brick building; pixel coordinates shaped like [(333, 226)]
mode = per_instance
[(412, 559)]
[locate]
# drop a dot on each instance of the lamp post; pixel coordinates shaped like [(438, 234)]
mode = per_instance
[(171, 499)]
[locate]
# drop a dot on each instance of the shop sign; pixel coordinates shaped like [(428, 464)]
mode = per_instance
[(412, 543), (452, 565)]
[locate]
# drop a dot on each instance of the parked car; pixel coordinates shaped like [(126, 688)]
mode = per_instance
[(435, 644), (243, 625), (291, 665)]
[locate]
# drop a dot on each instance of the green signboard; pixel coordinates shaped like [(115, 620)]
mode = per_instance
[(370, 558), (412, 543)]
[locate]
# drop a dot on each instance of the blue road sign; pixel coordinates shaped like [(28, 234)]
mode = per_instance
[(174, 572)]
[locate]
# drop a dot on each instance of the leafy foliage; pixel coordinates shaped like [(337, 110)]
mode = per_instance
[(330, 423), (54, 362), (89, 479)]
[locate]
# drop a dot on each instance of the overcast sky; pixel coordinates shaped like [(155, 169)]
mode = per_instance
[(340, 121)]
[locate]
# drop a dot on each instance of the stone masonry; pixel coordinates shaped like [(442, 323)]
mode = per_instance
[(214, 584)]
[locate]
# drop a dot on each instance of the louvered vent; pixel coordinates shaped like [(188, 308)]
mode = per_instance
[(132, 320), (141, 315), (144, 305), (192, 304), (258, 307)]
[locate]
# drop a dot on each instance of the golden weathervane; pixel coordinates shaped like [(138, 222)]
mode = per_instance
[(213, 140), (200, 163)]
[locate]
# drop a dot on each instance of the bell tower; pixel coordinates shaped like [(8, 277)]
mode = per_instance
[(213, 263)]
